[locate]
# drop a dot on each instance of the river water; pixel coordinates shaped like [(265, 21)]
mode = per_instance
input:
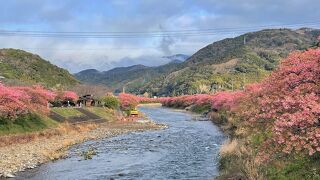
[(188, 149)]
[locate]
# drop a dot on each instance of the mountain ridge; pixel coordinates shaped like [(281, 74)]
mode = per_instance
[(219, 65)]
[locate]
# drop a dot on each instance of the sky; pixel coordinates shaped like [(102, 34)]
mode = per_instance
[(104, 34)]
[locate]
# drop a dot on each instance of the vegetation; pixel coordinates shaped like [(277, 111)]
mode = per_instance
[(88, 154), (65, 98), (128, 102), (25, 108), (275, 123), (26, 123), (32, 69), (111, 102), (224, 65), (15, 101), (67, 112), (104, 113)]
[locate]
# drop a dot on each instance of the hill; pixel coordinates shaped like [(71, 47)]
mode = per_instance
[(177, 58), (19, 66), (227, 64), (132, 77)]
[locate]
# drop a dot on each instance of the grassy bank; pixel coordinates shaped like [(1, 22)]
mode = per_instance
[(35, 122), (243, 156), (25, 124), (105, 113), (67, 112)]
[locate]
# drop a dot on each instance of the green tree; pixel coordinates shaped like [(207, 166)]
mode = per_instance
[(110, 102)]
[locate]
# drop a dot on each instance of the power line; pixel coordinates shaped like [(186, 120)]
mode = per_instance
[(146, 34), (165, 31), (100, 49)]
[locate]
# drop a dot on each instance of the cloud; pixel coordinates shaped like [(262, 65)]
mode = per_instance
[(166, 44), (137, 16)]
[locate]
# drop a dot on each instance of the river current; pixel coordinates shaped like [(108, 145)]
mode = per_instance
[(187, 149)]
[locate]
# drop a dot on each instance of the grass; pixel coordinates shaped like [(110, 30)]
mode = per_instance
[(201, 109), (229, 147), (26, 123), (105, 113), (67, 112), (295, 167), (244, 158)]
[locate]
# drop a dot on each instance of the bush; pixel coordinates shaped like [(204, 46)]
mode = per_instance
[(15, 101), (128, 101), (110, 102)]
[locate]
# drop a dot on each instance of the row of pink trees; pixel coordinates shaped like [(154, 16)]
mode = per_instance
[(218, 101), (15, 101), (287, 103)]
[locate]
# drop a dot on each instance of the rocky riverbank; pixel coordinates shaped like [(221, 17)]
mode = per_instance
[(21, 156)]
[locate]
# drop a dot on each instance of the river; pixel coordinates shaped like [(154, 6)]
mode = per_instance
[(188, 149)]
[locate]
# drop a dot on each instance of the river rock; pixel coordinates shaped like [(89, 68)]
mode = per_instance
[(9, 175)]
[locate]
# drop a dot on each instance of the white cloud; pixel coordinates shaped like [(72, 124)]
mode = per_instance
[(141, 15)]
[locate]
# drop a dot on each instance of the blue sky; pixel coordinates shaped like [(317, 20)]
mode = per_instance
[(76, 54)]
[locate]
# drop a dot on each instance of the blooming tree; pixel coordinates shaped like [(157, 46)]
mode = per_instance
[(12, 102), (226, 100), (70, 96), (128, 101), (38, 98), (15, 101), (289, 102)]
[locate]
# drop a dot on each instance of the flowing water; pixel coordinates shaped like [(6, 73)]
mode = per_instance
[(188, 149)]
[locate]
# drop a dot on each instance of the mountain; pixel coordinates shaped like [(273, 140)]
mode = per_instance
[(115, 78), (177, 58), (227, 64), (21, 67), (131, 77)]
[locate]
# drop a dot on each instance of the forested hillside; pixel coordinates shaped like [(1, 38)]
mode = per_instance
[(21, 67), (227, 64)]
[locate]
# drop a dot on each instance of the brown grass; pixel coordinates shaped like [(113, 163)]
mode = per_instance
[(244, 159), (53, 155), (229, 148), (64, 128), (251, 163)]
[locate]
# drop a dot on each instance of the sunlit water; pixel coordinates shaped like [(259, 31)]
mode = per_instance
[(188, 149)]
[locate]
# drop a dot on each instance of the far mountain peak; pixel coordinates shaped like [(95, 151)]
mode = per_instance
[(177, 58)]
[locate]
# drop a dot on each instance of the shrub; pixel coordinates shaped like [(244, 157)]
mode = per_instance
[(110, 102), (128, 101), (229, 147)]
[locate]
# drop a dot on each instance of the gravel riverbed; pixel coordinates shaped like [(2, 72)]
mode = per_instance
[(19, 157)]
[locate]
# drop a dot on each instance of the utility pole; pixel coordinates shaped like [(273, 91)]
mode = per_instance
[(232, 83), (244, 80)]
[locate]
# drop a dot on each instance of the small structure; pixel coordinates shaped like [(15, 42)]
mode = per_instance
[(88, 100), (133, 112)]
